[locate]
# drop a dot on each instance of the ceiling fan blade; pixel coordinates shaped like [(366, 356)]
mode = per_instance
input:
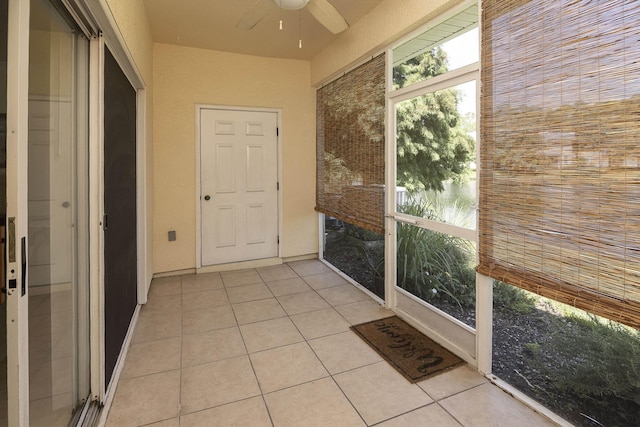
[(254, 15), (327, 15)]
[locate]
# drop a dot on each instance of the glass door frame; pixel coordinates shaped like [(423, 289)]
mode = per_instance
[(17, 280), (60, 90), (17, 219)]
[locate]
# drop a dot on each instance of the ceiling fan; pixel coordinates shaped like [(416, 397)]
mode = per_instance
[(322, 10)]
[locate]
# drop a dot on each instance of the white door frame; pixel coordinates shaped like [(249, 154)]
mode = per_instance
[(98, 13), (247, 264), (17, 211), (96, 209), (99, 386)]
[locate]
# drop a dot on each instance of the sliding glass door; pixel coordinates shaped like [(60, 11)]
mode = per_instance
[(57, 229)]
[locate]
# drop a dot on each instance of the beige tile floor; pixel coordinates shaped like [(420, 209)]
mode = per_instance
[(272, 347)]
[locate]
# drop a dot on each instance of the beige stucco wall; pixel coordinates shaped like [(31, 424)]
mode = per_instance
[(385, 24), (131, 19), (184, 77)]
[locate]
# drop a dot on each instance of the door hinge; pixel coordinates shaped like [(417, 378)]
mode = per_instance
[(277, 186), (278, 239), (277, 131)]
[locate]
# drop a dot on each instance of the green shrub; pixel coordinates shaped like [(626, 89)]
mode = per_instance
[(454, 208), (434, 266), (511, 298), (532, 348), (361, 233), (601, 364)]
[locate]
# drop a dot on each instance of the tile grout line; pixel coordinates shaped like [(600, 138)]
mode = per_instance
[(306, 341), (448, 413), (320, 360), (336, 382), (248, 355), (181, 351), (332, 376)]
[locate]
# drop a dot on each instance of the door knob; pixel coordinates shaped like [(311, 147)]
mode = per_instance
[(66, 204), (207, 197)]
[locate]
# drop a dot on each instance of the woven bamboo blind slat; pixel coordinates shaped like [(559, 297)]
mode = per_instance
[(350, 146), (560, 154)]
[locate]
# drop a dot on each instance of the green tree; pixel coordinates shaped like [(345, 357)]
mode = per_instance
[(433, 143)]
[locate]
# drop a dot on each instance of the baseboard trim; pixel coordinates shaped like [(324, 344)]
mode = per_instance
[(174, 273), (266, 262)]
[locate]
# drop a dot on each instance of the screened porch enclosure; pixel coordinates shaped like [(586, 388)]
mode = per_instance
[(549, 205)]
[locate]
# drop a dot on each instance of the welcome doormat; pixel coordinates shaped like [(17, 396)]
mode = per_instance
[(410, 352)]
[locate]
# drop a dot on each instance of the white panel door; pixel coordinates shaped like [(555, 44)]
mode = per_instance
[(238, 183)]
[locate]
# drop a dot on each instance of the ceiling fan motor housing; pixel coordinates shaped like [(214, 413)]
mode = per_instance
[(292, 4)]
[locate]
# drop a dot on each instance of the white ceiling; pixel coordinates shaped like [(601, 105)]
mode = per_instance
[(211, 24)]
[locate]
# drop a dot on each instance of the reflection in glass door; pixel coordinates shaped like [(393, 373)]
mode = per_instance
[(57, 205)]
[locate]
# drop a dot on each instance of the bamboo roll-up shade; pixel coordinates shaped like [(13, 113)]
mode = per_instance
[(560, 155), (350, 146)]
